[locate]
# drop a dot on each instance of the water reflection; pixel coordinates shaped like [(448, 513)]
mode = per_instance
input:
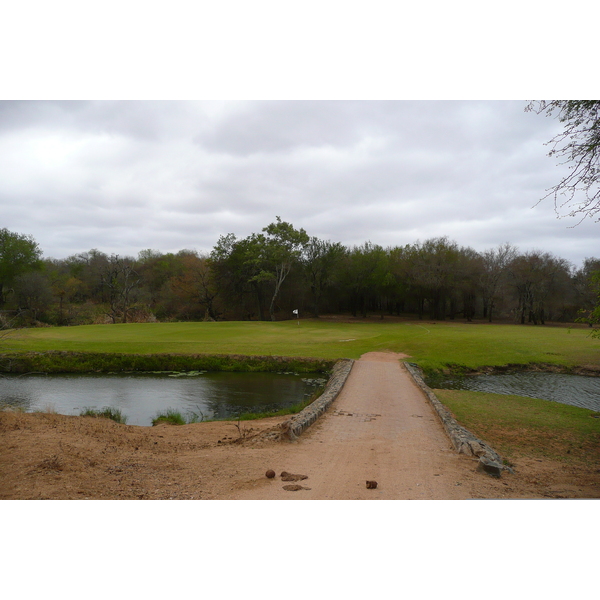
[(141, 396), (575, 390)]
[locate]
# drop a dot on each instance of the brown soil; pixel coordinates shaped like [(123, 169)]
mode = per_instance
[(380, 429)]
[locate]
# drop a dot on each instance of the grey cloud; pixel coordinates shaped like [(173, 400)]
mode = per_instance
[(29, 114), (269, 127), (124, 176), (143, 120)]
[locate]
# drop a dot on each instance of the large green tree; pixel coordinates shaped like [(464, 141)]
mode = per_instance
[(19, 254), (283, 249), (262, 261), (236, 266), (578, 193)]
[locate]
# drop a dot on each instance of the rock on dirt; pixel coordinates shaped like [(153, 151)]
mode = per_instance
[(285, 476)]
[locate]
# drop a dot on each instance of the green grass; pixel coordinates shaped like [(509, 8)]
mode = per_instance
[(107, 412), (517, 425), (433, 346), (169, 416), (174, 417), (179, 365)]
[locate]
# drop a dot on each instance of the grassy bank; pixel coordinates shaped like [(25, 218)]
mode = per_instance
[(85, 362), (527, 426), (434, 346)]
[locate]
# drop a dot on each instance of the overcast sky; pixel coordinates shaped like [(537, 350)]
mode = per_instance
[(130, 175)]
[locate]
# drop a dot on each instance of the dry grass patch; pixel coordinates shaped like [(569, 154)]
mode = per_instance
[(518, 426)]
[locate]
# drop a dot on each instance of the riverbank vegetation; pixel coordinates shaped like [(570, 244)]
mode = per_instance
[(108, 412), (171, 416), (57, 361)]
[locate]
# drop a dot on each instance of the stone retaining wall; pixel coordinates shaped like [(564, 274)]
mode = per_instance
[(293, 427), (462, 439)]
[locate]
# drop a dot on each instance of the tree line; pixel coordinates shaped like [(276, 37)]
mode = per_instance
[(268, 275)]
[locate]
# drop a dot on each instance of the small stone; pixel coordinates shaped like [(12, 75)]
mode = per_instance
[(490, 467), (270, 474), (371, 485), (294, 487), (285, 476), (476, 448)]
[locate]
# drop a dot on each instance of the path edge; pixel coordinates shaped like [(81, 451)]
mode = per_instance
[(292, 428), (462, 439)]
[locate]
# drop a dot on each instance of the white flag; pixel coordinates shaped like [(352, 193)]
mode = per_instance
[(295, 311)]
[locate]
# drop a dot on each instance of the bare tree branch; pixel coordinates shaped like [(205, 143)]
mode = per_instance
[(578, 193)]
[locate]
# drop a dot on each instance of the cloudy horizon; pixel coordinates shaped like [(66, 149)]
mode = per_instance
[(125, 176)]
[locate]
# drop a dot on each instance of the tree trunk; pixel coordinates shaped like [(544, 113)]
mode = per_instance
[(258, 291)]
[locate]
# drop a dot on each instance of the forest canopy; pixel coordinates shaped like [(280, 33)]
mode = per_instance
[(269, 274)]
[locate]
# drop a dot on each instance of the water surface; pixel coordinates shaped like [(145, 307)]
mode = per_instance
[(141, 396), (575, 390)]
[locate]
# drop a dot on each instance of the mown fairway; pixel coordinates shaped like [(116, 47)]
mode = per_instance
[(431, 345)]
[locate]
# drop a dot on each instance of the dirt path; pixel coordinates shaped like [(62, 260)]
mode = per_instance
[(382, 428)]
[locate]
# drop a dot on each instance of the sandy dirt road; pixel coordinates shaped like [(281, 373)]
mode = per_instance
[(382, 428)]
